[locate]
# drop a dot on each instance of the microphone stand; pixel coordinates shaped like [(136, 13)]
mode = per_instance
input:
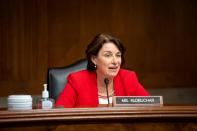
[(106, 84)]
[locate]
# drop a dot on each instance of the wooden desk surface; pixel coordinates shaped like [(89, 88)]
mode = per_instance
[(66, 114), (166, 115)]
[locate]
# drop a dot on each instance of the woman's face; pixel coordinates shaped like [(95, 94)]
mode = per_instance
[(108, 60)]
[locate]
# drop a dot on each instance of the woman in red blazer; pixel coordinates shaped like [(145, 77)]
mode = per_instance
[(87, 88)]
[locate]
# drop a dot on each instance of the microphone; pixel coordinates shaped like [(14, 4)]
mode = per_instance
[(106, 84)]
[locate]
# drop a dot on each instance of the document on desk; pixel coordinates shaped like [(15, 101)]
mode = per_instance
[(125, 101)]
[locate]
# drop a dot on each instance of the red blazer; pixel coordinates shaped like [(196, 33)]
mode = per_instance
[(81, 88)]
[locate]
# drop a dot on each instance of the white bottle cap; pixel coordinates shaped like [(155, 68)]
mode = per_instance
[(45, 93)]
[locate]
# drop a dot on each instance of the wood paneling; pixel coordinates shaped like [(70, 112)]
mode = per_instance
[(159, 36), (24, 46), (170, 118)]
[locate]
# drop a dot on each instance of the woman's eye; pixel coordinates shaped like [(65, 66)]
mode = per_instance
[(118, 55), (107, 55)]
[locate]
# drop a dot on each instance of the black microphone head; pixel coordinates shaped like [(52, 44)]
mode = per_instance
[(106, 81)]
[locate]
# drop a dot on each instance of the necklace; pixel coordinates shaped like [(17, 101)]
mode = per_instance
[(105, 95), (102, 91)]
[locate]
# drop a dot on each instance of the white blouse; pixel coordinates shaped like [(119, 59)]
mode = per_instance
[(104, 100)]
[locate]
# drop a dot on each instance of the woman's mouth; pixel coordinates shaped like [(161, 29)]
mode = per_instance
[(113, 69)]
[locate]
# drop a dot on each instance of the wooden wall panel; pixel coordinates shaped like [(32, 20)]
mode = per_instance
[(23, 46), (159, 36), (64, 25)]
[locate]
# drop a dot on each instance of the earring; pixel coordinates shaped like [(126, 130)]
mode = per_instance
[(95, 66)]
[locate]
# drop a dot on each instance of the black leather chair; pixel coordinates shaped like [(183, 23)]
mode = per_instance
[(57, 77)]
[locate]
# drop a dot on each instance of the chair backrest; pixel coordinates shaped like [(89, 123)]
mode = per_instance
[(57, 77)]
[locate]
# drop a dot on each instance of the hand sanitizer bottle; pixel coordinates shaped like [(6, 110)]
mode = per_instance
[(46, 102)]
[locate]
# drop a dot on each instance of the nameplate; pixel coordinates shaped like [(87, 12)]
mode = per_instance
[(137, 101)]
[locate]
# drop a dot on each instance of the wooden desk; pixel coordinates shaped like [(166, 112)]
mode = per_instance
[(112, 118)]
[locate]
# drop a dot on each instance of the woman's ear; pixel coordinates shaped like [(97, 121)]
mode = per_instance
[(93, 59)]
